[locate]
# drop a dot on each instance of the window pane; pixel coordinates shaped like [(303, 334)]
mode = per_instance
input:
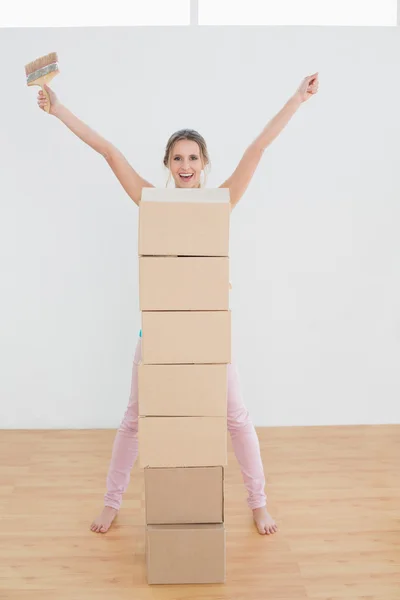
[(88, 13), (297, 12)]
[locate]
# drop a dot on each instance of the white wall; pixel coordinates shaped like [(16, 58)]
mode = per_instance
[(314, 242)]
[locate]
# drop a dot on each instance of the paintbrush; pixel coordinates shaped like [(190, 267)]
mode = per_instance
[(41, 71)]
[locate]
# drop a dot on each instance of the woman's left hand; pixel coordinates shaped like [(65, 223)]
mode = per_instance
[(308, 87)]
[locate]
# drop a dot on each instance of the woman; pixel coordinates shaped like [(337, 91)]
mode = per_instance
[(186, 157)]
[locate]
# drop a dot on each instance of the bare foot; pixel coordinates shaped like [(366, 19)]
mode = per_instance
[(264, 522), (104, 520)]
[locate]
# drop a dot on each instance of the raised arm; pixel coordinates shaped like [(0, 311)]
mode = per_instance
[(241, 177), (130, 180)]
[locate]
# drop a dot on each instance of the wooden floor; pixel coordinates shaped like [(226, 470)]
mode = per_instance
[(335, 492)]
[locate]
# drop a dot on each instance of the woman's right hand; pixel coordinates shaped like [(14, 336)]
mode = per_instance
[(42, 100)]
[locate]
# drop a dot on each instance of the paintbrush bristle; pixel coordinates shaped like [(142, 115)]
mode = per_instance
[(41, 62)]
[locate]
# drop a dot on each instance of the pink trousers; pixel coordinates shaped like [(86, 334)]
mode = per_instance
[(243, 435)]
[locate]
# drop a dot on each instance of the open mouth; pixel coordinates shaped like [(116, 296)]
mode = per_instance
[(186, 177)]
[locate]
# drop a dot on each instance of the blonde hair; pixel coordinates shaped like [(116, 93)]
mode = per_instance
[(194, 136)]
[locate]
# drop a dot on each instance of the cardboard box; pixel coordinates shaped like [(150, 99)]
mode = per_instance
[(184, 283), (183, 390), (184, 337), (184, 222), (182, 441), (184, 495), (185, 553)]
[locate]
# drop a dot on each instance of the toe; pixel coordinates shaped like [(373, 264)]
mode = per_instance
[(261, 529)]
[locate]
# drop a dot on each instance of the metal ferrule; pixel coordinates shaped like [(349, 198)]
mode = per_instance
[(40, 72)]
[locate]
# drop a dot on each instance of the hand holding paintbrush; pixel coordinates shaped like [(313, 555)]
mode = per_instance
[(43, 102), (40, 72)]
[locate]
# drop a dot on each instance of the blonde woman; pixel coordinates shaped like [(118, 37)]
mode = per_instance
[(186, 157)]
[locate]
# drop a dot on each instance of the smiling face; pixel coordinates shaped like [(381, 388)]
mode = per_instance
[(186, 164)]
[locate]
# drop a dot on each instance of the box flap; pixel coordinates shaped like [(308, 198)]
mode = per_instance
[(185, 195)]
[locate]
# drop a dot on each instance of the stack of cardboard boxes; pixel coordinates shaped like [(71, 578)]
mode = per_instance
[(186, 347)]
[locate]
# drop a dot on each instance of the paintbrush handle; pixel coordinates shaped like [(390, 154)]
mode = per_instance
[(48, 105)]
